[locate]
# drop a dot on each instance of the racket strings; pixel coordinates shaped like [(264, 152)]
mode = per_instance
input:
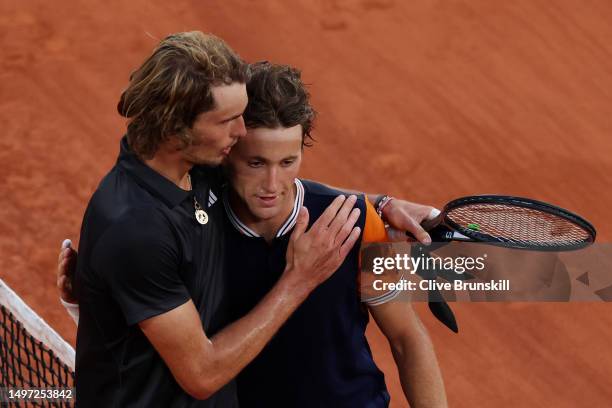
[(518, 224)]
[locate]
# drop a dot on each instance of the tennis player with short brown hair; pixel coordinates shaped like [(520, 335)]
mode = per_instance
[(320, 357)]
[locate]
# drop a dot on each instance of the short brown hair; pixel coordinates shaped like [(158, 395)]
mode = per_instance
[(173, 86), (278, 98)]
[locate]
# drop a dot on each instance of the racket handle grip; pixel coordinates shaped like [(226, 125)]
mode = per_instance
[(435, 218), (395, 235), (433, 222), (437, 234)]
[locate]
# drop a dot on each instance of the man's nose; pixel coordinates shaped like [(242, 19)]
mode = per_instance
[(239, 129), (272, 179)]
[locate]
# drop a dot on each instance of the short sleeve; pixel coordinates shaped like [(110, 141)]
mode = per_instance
[(369, 281), (374, 229), (139, 259)]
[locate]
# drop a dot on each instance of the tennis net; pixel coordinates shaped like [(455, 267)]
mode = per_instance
[(33, 357)]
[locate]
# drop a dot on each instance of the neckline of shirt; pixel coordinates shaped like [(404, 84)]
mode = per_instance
[(284, 229), (151, 180)]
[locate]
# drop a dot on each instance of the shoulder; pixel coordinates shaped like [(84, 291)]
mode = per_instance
[(318, 196), (118, 197), (318, 189), (318, 193)]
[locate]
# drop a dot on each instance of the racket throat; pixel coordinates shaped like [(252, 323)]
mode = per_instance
[(457, 236)]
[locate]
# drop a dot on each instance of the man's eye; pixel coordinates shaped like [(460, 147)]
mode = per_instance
[(228, 120), (255, 164), (288, 163)]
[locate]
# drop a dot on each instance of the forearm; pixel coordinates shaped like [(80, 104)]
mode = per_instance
[(419, 371), (206, 365), (239, 343)]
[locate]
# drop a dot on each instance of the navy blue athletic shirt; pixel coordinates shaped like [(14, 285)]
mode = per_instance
[(320, 358)]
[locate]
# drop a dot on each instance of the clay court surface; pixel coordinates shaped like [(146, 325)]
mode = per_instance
[(427, 100)]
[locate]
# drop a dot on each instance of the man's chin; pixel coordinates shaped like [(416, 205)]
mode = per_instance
[(263, 214)]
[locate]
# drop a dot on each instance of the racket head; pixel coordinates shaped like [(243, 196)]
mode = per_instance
[(518, 222)]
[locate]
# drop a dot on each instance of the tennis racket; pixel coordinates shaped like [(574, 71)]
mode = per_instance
[(513, 222)]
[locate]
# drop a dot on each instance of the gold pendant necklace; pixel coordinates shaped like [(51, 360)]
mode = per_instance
[(200, 214)]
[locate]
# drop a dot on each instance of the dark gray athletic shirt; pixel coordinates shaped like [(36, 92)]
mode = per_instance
[(143, 253)]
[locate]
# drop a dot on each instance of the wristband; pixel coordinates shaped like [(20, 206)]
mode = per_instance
[(381, 203), (72, 309)]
